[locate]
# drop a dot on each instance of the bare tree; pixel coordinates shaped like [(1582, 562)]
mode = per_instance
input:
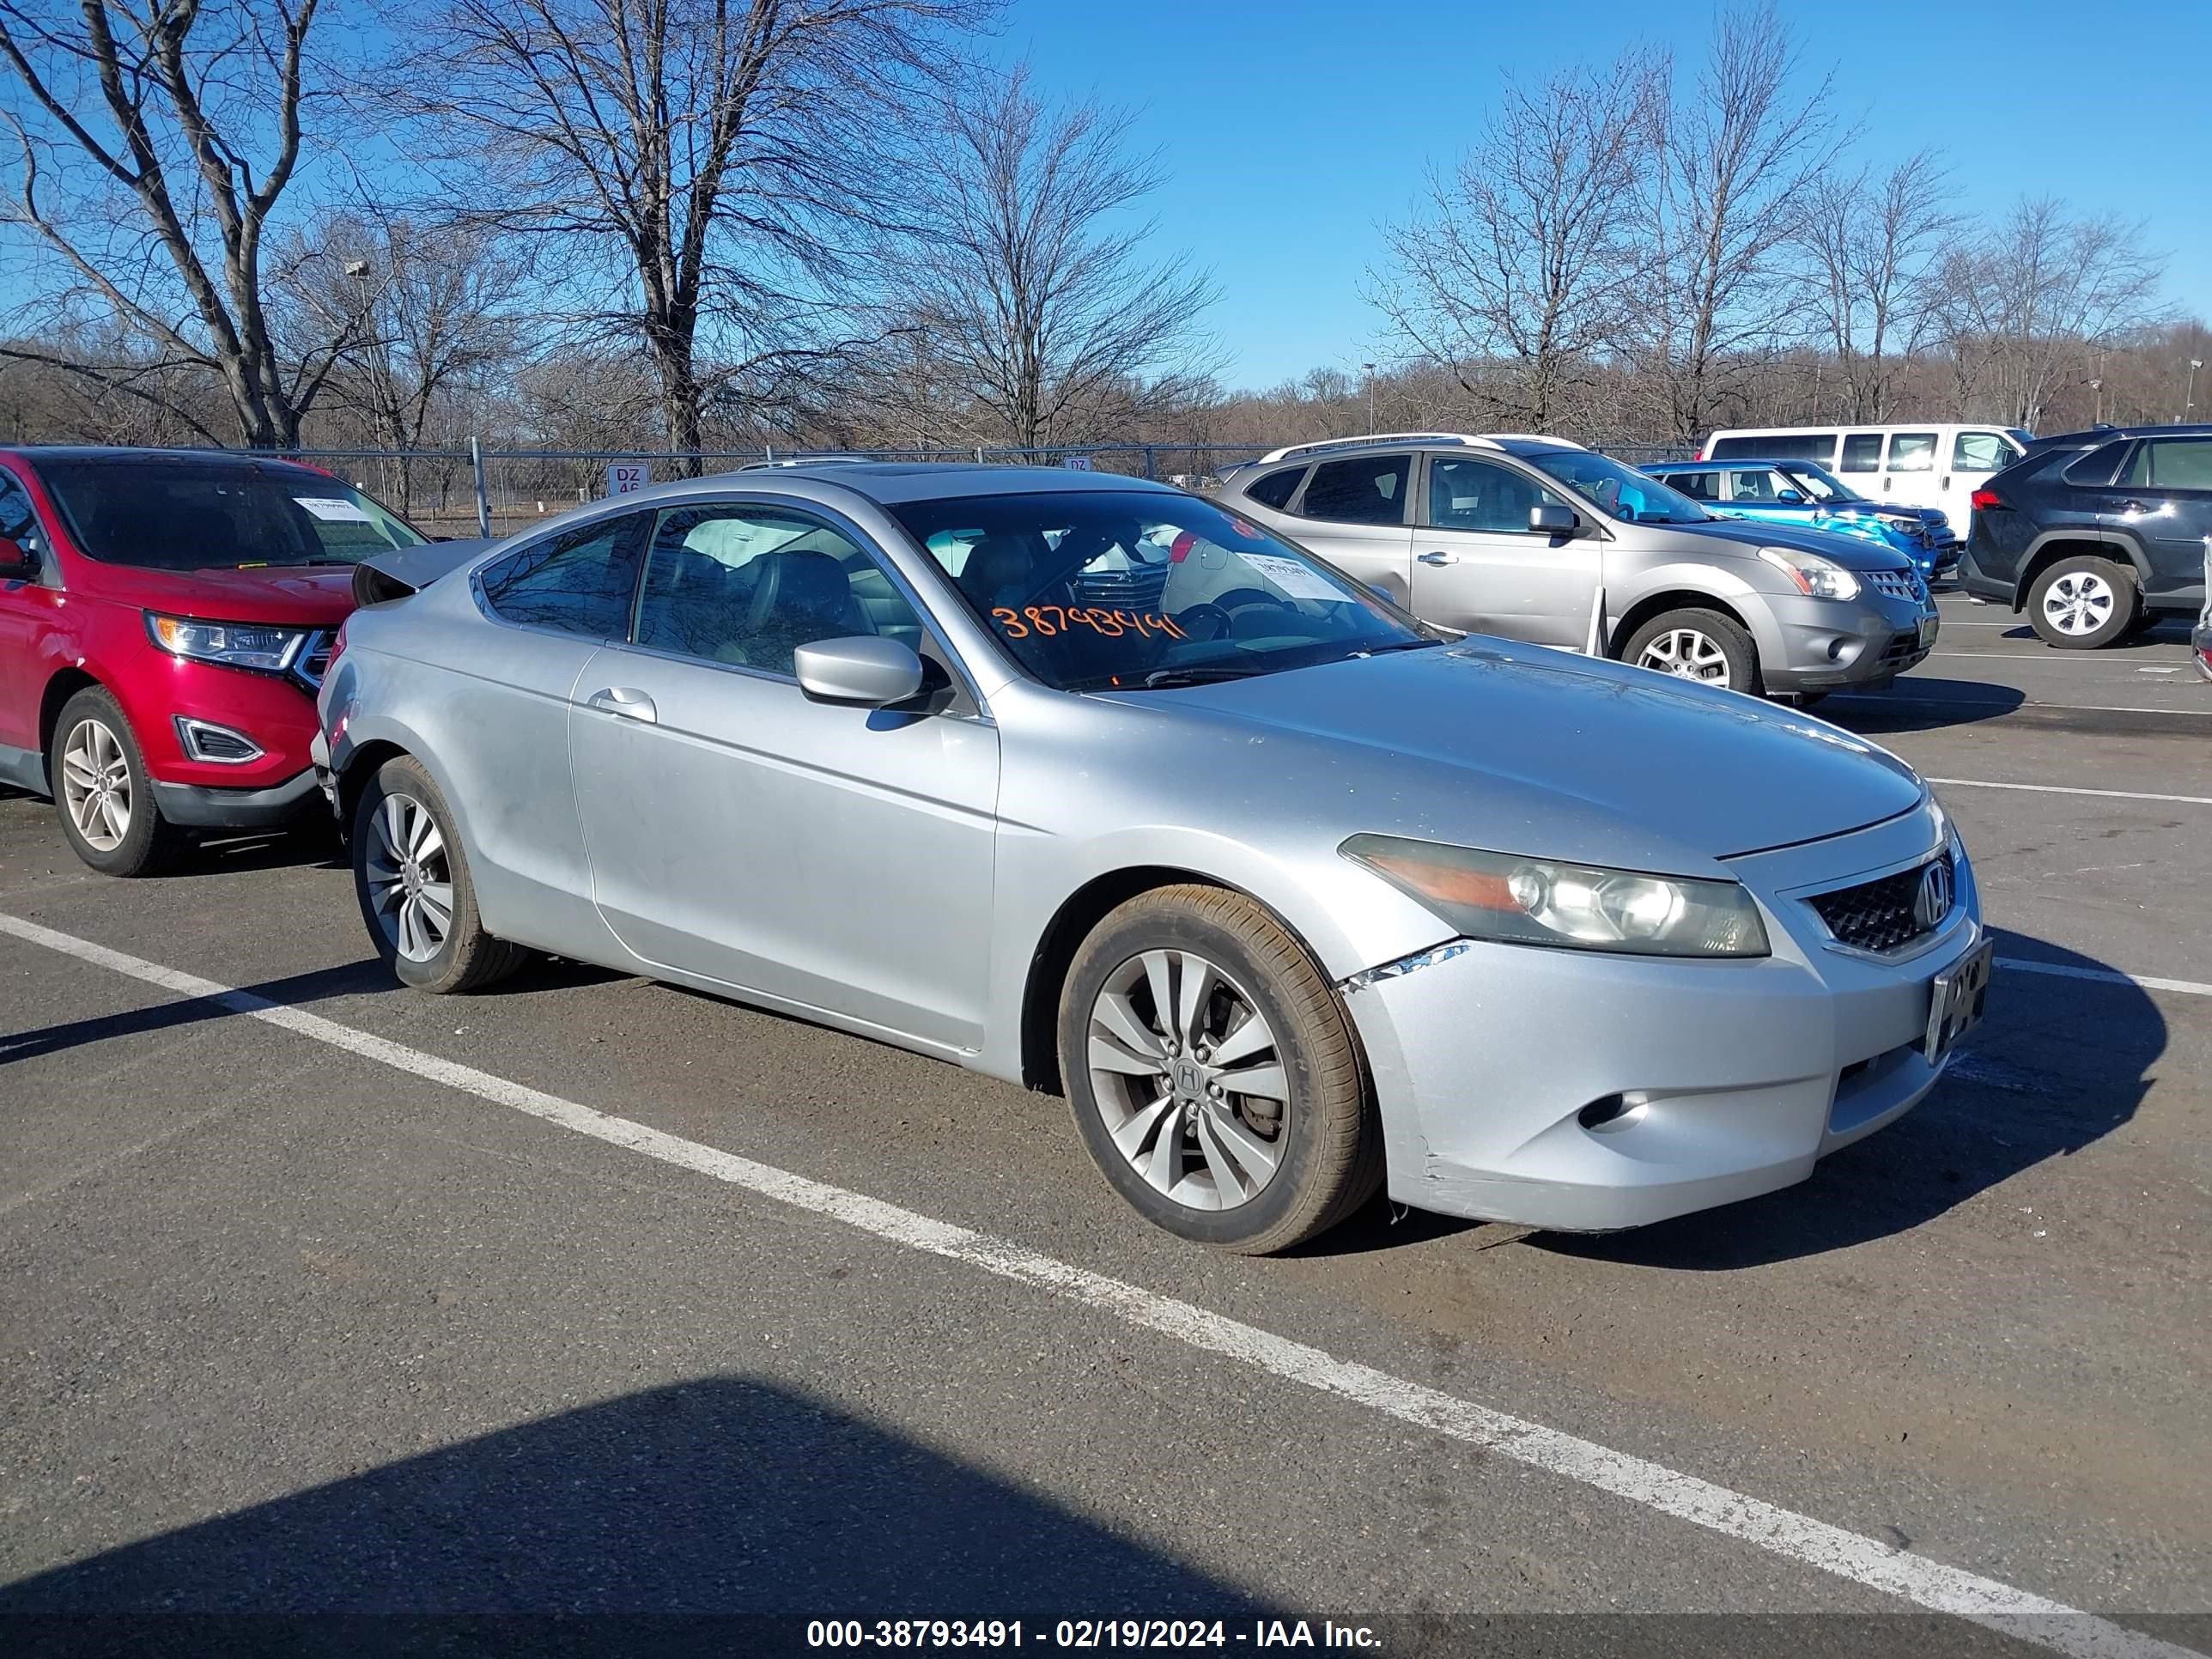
[(1874, 250), (2037, 291), (437, 317), (1028, 281), (1735, 163), (710, 162), (157, 144), (1525, 252)]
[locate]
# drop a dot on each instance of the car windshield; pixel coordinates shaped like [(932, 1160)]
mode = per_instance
[(165, 513), (1618, 491), (1817, 483), (1141, 591)]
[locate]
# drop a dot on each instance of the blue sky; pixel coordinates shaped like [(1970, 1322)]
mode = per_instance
[(1289, 128)]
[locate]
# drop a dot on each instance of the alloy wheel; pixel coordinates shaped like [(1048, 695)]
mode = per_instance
[(96, 785), (1687, 654), (1189, 1079), (411, 878), (2079, 602)]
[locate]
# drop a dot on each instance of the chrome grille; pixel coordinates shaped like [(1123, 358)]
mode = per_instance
[(314, 660), (1139, 589), (1879, 914), (1898, 584)]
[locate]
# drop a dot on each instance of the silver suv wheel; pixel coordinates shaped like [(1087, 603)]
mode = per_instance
[(1687, 654)]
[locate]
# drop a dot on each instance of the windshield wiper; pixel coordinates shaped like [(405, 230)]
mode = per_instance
[(1161, 678), (1395, 645)]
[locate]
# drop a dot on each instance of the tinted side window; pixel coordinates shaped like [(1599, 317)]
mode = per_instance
[(1369, 490), (1981, 452), (1697, 486), (1471, 495), (1762, 484), (2173, 463), (1780, 446), (580, 581), (2096, 467), (740, 583), (1276, 489), (18, 523), (1861, 452), (1911, 452)]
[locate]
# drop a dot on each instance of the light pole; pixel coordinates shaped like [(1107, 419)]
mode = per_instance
[(1370, 368), (2188, 398), (2097, 387)]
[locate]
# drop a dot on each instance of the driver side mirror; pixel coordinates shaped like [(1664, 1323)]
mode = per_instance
[(1790, 498), (17, 562), (1554, 520), (865, 669)]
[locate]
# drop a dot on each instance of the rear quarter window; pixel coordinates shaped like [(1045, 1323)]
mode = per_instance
[(1276, 489)]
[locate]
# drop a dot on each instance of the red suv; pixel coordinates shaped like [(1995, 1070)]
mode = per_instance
[(165, 616)]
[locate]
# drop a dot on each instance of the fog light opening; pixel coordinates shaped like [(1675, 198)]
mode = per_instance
[(1609, 1113), (203, 740)]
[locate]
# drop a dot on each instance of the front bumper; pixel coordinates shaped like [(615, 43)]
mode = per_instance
[(1822, 645), (197, 806), (1733, 1077)]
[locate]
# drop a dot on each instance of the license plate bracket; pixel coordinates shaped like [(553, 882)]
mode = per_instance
[(1956, 999)]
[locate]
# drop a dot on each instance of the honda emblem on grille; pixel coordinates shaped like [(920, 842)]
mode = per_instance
[(1932, 902)]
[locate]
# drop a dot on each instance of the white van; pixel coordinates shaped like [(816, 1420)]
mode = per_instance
[(1914, 463)]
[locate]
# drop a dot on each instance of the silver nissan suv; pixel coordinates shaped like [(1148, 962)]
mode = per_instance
[(1542, 540)]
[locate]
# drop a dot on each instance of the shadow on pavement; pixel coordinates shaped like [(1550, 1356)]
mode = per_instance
[(1917, 704), (294, 990), (725, 1496), (2057, 1064)]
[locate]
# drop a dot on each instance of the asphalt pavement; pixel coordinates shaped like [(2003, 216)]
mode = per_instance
[(594, 1297)]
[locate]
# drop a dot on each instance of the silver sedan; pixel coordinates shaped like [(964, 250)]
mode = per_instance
[(1089, 784)]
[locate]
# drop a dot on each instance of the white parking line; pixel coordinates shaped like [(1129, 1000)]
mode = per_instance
[(2006, 706), (2062, 789), (2188, 988), (1780, 1532)]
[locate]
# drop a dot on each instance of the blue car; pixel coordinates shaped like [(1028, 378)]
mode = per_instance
[(1805, 493)]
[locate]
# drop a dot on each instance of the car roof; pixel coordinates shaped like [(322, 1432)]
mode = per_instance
[(890, 483), (1732, 462), (1513, 443), (2104, 434), (102, 453)]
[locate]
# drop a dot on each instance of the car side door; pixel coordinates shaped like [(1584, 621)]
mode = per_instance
[(501, 732), (1354, 512), (29, 597), (826, 857), (2164, 496), (1477, 565), (1908, 469)]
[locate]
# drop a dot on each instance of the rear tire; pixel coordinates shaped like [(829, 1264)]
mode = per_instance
[(2083, 602), (102, 794), (411, 877), (1698, 645), (1166, 983)]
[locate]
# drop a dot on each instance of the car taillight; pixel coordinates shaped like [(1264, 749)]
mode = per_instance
[(1179, 548), (1986, 501)]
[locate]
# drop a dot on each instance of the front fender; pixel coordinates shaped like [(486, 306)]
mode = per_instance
[(1698, 580)]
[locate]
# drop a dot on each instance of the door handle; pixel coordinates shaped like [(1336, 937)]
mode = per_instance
[(1946, 484), (2133, 507), (1439, 558), (626, 701)]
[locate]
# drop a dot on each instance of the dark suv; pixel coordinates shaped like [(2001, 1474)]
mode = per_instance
[(2097, 535)]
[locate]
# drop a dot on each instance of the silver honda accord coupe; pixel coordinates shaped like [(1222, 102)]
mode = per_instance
[(1093, 785)]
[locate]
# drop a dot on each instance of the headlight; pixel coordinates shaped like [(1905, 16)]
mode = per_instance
[(1816, 577), (1522, 900), (240, 645)]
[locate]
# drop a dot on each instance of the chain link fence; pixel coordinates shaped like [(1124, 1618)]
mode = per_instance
[(476, 491)]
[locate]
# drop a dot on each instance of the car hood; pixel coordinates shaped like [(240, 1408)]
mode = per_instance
[(1852, 552), (1520, 749), (309, 597)]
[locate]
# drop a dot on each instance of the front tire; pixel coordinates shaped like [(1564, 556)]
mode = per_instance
[(411, 878), (2082, 603), (1698, 645), (103, 793), (1213, 1074)]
